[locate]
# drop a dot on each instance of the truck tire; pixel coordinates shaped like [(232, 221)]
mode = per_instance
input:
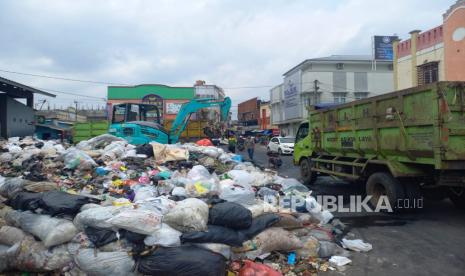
[(457, 196), (436, 194), (384, 184), (413, 194), (308, 177)]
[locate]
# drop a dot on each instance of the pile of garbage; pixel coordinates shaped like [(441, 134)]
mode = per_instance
[(106, 207)]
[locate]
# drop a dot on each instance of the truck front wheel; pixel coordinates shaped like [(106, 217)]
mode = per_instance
[(308, 176), (384, 184)]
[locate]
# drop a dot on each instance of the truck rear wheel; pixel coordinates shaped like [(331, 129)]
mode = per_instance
[(384, 184), (457, 196), (308, 176)]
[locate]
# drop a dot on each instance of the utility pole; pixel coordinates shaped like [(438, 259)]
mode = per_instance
[(315, 91), (76, 110)]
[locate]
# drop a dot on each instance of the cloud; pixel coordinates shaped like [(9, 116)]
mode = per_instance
[(228, 43)]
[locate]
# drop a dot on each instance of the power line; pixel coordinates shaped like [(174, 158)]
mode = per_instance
[(62, 78), (70, 93)]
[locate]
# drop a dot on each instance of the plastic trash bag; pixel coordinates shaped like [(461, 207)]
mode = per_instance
[(356, 245), (261, 207), (96, 217), (215, 234), (182, 261), (145, 192), (230, 214), (274, 239), (165, 236), (259, 224), (292, 184), (104, 263), (218, 248), (26, 201), (161, 204), (339, 260), (10, 235), (165, 153), (7, 255), (204, 142), (179, 191), (251, 268), (138, 221), (310, 247), (242, 194), (9, 187), (288, 222), (33, 256), (198, 172), (328, 249), (6, 157), (241, 177), (51, 231), (38, 187), (189, 215), (315, 209), (75, 158), (114, 150), (62, 203), (97, 142), (100, 237)]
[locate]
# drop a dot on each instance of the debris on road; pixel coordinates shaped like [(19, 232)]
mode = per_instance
[(107, 207)]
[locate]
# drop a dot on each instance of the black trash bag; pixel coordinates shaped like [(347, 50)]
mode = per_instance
[(61, 203), (146, 149), (182, 261), (26, 201), (100, 237), (230, 214), (134, 237), (259, 224), (215, 234), (177, 198)]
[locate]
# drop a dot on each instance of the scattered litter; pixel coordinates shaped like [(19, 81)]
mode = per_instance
[(103, 205)]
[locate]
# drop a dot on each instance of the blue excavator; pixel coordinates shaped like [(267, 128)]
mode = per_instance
[(141, 124)]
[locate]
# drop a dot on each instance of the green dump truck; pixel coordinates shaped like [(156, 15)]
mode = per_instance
[(400, 144)]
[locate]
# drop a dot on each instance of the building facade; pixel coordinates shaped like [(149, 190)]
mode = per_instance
[(248, 114), (333, 79), (265, 115), (434, 55)]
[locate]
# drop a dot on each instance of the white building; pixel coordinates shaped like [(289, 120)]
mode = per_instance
[(203, 90), (337, 78)]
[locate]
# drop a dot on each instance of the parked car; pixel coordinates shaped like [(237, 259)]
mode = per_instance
[(281, 145)]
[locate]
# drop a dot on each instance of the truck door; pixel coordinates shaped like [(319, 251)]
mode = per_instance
[(301, 146)]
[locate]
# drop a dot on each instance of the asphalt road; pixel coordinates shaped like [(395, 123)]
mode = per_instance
[(430, 241)]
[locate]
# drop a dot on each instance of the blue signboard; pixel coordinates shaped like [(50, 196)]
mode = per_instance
[(383, 47)]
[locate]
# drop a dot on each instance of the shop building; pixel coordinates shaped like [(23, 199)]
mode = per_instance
[(334, 79)]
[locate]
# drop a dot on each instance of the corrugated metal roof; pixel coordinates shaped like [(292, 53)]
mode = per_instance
[(22, 87)]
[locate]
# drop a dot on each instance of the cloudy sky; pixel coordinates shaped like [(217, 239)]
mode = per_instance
[(231, 43)]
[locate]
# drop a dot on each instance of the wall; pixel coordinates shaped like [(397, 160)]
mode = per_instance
[(454, 39), (19, 119), (139, 91), (248, 111)]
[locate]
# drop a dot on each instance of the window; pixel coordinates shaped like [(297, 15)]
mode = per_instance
[(339, 66), (128, 131), (428, 73), (360, 95), (390, 67), (339, 97), (302, 132)]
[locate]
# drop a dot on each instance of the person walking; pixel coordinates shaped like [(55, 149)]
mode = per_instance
[(250, 146), (232, 144)]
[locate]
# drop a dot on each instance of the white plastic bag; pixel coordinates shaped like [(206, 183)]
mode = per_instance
[(356, 245), (75, 158), (339, 260), (104, 263), (179, 191), (292, 184), (9, 187), (198, 172), (161, 204), (96, 217), (51, 231), (241, 177), (165, 236), (242, 194), (138, 221), (190, 214), (145, 192), (315, 209)]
